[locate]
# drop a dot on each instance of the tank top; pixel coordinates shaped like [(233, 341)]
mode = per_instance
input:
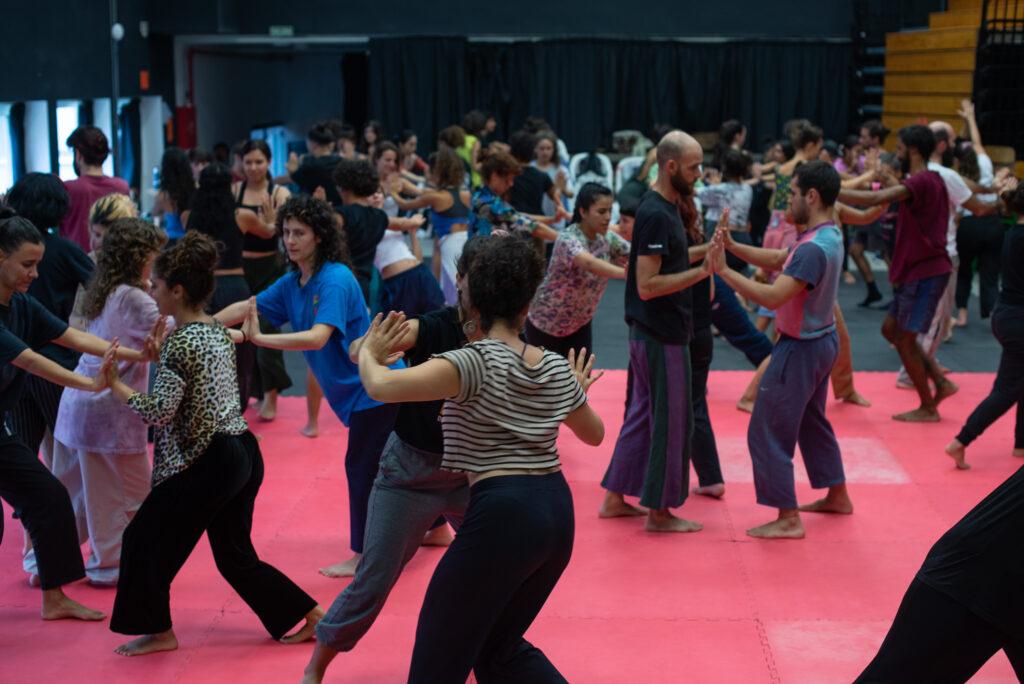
[(392, 248), (251, 242), (172, 224), (453, 215)]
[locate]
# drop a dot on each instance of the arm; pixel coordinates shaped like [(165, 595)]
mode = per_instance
[(769, 296), (967, 112), (435, 379), (304, 340), (697, 252), (859, 217), (405, 224), (768, 259), (233, 314), (37, 364), (427, 199), (650, 283), (980, 208), (249, 222), (589, 262), (860, 181), (403, 343), (871, 198), (90, 344), (584, 421)]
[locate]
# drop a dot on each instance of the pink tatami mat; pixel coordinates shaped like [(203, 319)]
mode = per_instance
[(715, 606)]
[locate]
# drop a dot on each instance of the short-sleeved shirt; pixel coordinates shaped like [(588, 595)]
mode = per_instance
[(737, 197), (569, 295), (528, 191), (816, 258), (24, 324), (658, 230), (919, 249), (958, 193), (315, 172), (1012, 293), (507, 412), (83, 191), (419, 422), (364, 227), (489, 213), (332, 297), (65, 267)]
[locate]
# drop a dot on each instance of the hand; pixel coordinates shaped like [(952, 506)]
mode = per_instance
[(1000, 175), (871, 159), (755, 170), (966, 110), (251, 324), (722, 232), (383, 335), (714, 261), (155, 339), (107, 374), (267, 212), (561, 180), (581, 367), (1008, 184), (712, 176), (320, 193), (414, 222), (292, 165), (562, 214)]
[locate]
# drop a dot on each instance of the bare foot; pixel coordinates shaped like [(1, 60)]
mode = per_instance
[(925, 414), (57, 606), (664, 521), (856, 399), (345, 569), (848, 278), (305, 633), (311, 430), (961, 319), (947, 389), (268, 411), (830, 504), (614, 506), (714, 490), (745, 405), (1019, 453), (440, 536), (788, 527), (956, 451), (149, 643), (33, 580)]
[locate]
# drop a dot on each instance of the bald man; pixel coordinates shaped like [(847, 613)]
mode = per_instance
[(652, 455)]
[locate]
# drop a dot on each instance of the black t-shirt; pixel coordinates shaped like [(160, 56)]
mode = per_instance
[(1012, 293), (419, 422), (979, 562), (658, 229), (527, 193), (64, 267), (24, 324), (315, 172), (364, 227)]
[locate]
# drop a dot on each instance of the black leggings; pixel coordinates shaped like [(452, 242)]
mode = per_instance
[(560, 345), (216, 495), (937, 640), (43, 505), (704, 452), (1008, 388), (981, 238), (493, 581)]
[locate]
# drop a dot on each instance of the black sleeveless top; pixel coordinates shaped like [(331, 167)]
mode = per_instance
[(251, 242), (228, 238)]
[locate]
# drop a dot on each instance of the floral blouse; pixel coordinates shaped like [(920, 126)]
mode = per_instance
[(569, 295), (489, 213), (195, 396)]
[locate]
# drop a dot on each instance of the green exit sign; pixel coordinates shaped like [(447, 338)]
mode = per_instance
[(282, 31)]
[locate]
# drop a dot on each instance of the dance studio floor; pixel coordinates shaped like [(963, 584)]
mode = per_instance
[(715, 606)]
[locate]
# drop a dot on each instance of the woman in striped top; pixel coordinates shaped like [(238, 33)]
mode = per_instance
[(505, 402)]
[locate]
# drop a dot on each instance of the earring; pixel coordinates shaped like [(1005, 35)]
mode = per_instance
[(469, 327)]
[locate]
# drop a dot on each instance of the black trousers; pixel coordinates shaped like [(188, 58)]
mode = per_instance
[(981, 238), (270, 373), (228, 290), (493, 581), (1008, 388), (215, 495), (43, 505), (704, 451), (937, 640), (560, 345), (35, 411)]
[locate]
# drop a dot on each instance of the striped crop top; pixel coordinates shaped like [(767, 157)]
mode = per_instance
[(507, 412)]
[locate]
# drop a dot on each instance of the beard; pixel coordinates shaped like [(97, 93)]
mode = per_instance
[(680, 184), (905, 165)]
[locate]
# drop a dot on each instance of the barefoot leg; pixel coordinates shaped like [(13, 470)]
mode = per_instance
[(268, 411), (317, 665), (956, 451), (786, 526), (836, 501), (713, 490), (305, 633), (662, 520), (615, 506), (343, 569), (149, 643), (313, 397), (439, 536), (57, 605)]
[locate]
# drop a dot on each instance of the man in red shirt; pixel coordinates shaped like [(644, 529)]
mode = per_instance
[(91, 149), (920, 264)]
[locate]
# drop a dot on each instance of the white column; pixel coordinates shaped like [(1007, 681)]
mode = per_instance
[(101, 119), (151, 115), (37, 137)]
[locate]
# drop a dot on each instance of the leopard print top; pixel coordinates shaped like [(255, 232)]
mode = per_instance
[(194, 397)]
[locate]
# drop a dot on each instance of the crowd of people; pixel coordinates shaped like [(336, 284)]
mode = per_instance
[(453, 377)]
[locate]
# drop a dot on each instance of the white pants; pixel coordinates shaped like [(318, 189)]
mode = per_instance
[(451, 249), (105, 490)]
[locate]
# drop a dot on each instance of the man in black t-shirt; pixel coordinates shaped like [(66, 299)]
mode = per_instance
[(652, 454)]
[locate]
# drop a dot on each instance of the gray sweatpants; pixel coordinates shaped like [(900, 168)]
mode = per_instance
[(409, 494)]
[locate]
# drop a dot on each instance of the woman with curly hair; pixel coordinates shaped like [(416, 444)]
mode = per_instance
[(175, 191), (207, 469), (102, 215), (490, 212), (99, 451), (324, 305), (505, 401)]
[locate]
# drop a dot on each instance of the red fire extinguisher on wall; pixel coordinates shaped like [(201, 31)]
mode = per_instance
[(185, 116)]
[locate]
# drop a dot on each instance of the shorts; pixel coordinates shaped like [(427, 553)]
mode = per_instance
[(914, 302)]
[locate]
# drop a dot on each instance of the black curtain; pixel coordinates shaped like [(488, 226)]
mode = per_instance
[(417, 83), (588, 88)]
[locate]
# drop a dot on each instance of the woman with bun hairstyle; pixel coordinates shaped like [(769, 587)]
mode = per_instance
[(207, 469), (25, 484)]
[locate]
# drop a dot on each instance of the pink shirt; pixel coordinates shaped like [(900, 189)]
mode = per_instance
[(83, 191)]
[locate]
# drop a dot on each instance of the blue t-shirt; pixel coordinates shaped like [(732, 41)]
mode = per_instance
[(332, 297), (816, 258)]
